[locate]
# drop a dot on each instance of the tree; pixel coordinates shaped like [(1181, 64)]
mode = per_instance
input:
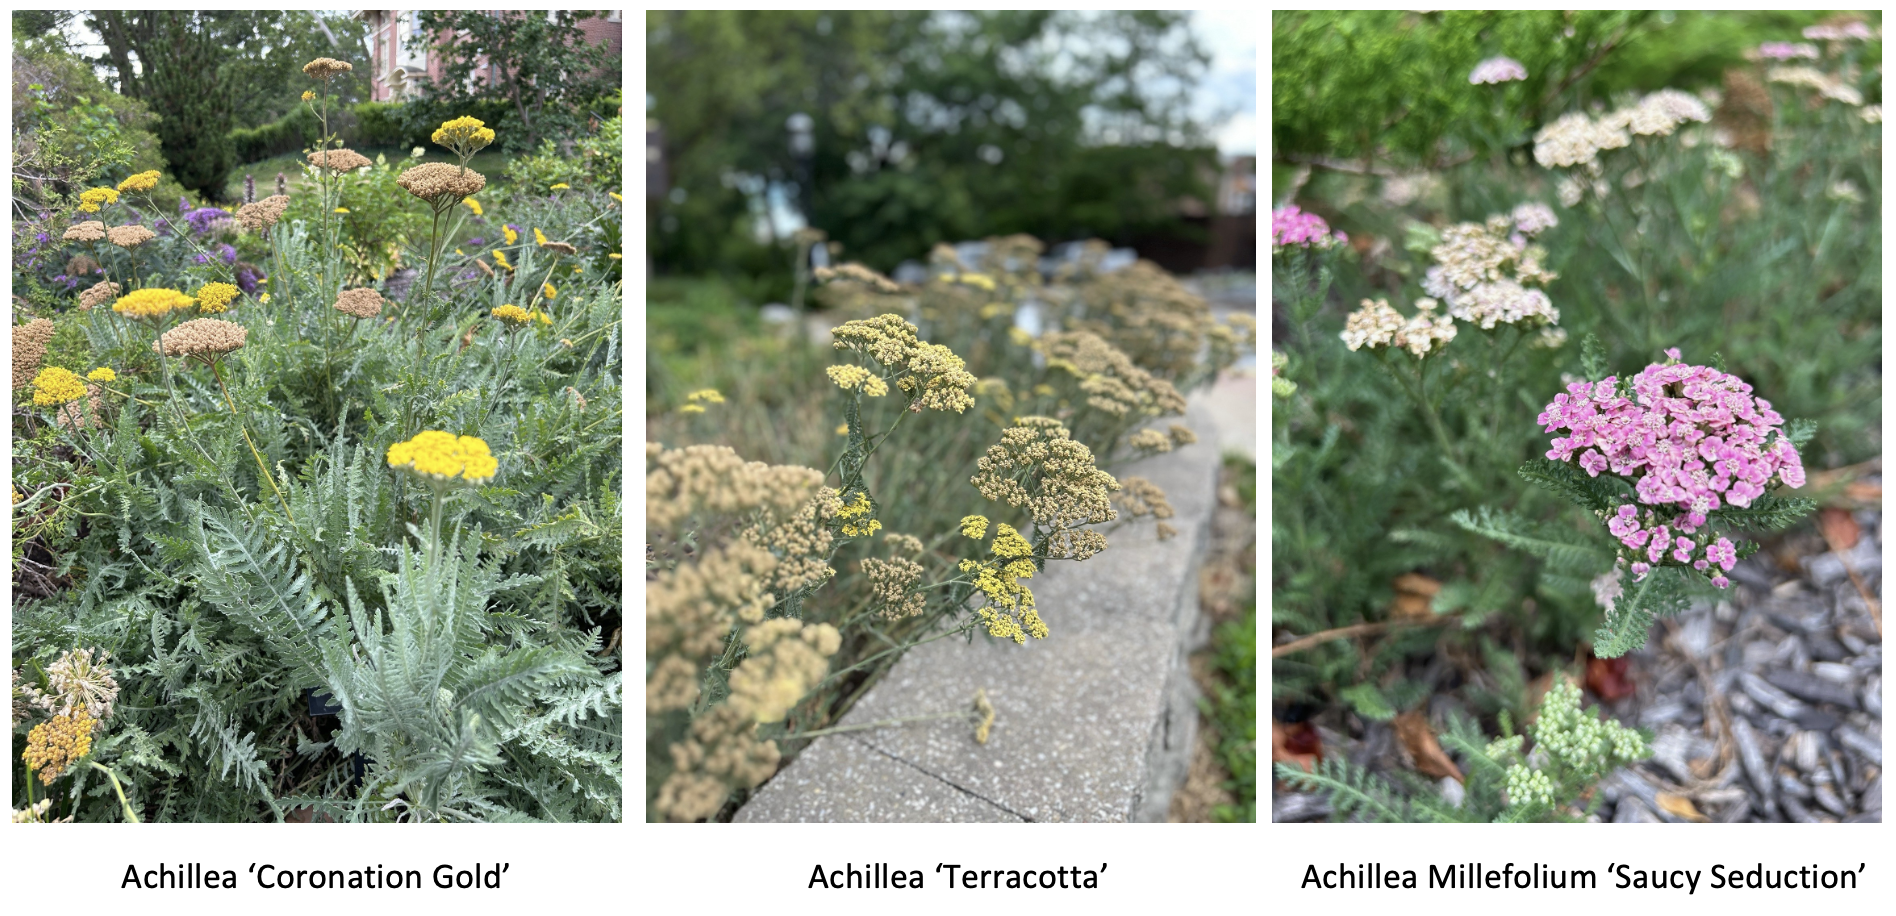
[(204, 72), (538, 69), (921, 127)]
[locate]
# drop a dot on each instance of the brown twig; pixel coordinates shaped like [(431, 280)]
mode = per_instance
[(1360, 629)]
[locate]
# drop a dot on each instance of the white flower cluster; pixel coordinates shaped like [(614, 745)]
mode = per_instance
[(1574, 139), (1378, 325), (1472, 265), (1830, 87)]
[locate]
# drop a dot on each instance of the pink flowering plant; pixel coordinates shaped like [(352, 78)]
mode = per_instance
[(1675, 460)]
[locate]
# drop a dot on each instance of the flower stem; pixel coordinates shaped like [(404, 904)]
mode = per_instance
[(247, 441)]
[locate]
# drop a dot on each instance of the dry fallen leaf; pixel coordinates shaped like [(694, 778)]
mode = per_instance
[(1607, 678), (1415, 595), (1296, 743), (1412, 729), (1839, 528), (1680, 806)]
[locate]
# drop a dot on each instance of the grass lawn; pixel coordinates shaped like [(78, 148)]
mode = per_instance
[(490, 163)]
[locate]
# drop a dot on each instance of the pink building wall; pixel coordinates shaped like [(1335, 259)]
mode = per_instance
[(392, 64)]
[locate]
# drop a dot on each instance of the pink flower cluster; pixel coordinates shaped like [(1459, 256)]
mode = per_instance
[(1291, 226), (1785, 50), (1691, 438), (1497, 70)]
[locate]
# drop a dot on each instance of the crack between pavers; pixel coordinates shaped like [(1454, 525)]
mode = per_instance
[(940, 778)]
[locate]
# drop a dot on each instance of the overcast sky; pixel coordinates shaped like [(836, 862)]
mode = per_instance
[(1231, 82)]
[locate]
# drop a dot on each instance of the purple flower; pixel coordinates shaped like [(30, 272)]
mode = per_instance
[(477, 241), (228, 253), (184, 206), (204, 219), (1497, 70)]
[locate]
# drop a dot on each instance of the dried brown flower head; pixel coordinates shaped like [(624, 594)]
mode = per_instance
[(340, 160), (1108, 377), (1039, 467), (360, 303), (856, 273), (560, 248), (489, 271), (89, 231), (264, 213), (129, 237), (29, 348), (206, 339), (80, 265), (440, 183), (322, 68)]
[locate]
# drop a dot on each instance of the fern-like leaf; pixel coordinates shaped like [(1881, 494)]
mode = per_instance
[(1595, 494), (1766, 513), (1564, 546), (1661, 593)]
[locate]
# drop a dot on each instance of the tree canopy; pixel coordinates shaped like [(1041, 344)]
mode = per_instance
[(891, 131)]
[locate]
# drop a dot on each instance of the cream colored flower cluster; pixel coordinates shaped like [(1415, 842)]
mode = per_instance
[(77, 682), (1376, 324), (441, 184), (263, 214), (206, 339), (1473, 266), (1576, 140), (1827, 85)]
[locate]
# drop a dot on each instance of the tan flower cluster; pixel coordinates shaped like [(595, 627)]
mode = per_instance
[(73, 416), (80, 265), (856, 273), (1378, 325), (713, 480), (77, 681), (129, 237), (932, 376), (1037, 466), (720, 753), (787, 659), (1574, 139), (1142, 497), (29, 348), (440, 183), (1147, 314), (359, 303), (904, 542), (206, 339), (1150, 440), (339, 160), (1109, 378), (100, 293), (263, 214), (322, 68), (893, 581), (89, 231), (802, 542), (690, 608), (1181, 435)]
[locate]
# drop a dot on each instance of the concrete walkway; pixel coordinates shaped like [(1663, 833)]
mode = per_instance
[(1093, 723)]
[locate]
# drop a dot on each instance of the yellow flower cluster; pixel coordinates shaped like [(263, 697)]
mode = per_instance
[(974, 526), (102, 374), (547, 290), (58, 743), (850, 377), (91, 200), (543, 318), (562, 186), (473, 205), (309, 95), (143, 181), (539, 236), (509, 234), (707, 395), (931, 375), (151, 302), (500, 257), (979, 281), (1009, 612), (858, 509), (215, 297), (464, 135), (444, 457), (512, 314), (55, 386)]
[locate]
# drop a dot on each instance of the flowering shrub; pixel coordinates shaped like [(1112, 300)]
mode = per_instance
[(350, 541), (970, 454), (1423, 516)]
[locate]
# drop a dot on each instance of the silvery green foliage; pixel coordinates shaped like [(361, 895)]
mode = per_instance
[(488, 688)]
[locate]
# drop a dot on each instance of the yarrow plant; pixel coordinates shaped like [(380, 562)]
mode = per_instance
[(1675, 461)]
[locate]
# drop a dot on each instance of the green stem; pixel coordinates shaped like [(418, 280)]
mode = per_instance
[(130, 815)]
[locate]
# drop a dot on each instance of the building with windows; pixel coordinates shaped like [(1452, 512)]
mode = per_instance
[(395, 66)]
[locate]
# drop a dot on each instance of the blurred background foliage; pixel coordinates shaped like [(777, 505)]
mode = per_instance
[(892, 131)]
